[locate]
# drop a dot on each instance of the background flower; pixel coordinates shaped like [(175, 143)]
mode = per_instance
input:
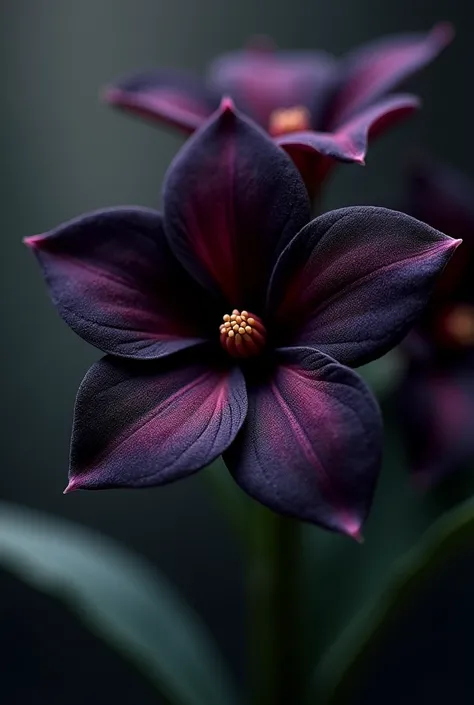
[(437, 393), (317, 108)]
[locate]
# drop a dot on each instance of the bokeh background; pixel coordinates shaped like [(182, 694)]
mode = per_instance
[(62, 153)]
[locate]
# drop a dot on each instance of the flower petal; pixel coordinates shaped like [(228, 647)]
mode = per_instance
[(314, 153), (373, 70), (310, 446), (262, 81), (436, 408), (139, 423), (116, 282), (232, 201), (169, 97), (352, 282)]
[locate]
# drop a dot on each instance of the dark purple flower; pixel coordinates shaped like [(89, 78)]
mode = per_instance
[(229, 322), (437, 393), (317, 108)]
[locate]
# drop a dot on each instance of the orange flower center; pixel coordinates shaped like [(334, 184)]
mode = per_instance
[(286, 120), (242, 334)]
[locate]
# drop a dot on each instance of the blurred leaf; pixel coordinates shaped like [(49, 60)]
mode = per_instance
[(338, 669), (120, 598), (341, 576)]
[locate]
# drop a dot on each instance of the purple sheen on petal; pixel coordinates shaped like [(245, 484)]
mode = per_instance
[(353, 281), (232, 201), (140, 424), (375, 120), (311, 443), (262, 81), (117, 284), (315, 153), (436, 406), (373, 70), (169, 97)]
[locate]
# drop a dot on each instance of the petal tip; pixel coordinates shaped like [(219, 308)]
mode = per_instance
[(352, 528), (357, 536), (444, 31), (33, 241), (73, 486), (110, 94), (227, 106)]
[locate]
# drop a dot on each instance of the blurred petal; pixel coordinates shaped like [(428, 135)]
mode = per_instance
[(141, 423), (314, 153), (261, 81), (311, 443), (373, 70), (352, 282), (436, 413), (116, 282), (374, 120), (170, 97), (233, 200), (442, 197)]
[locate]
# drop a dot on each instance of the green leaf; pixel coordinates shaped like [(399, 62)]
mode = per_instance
[(343, 662), (120, 598)]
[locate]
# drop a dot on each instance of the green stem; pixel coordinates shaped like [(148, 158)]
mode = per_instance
[(273, 598)]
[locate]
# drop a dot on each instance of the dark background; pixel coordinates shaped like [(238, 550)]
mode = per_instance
[(63, 153)]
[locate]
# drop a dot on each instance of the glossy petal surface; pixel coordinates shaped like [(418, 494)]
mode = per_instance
[(377, 68), (311, 443), (174, 98), (262, 81), (117, 284), (140, 424), (232, 201), (437, 412), (353, 281)]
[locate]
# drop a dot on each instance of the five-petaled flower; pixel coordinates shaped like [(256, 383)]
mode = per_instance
[(229, 323), (317, 108), (437, 392)]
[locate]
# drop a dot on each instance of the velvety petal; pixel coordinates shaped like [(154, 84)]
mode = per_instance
[(310, 446), (232, 201), (436, 408), (261, 81), (170, 97), (139, 423), (116, 282), (377, 68), (314, 153), (352, 282)]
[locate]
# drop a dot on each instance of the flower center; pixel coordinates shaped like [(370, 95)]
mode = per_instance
[(242, 334), (286, 120), (458, 325)]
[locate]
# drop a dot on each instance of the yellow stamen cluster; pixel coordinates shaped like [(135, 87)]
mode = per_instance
[(242, 334), (237, 322), (459, 325), (285, 120)]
